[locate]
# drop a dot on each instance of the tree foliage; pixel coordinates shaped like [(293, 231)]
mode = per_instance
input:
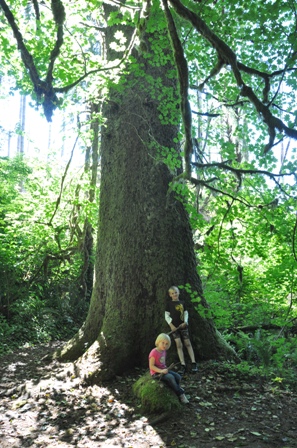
[(41, 233)]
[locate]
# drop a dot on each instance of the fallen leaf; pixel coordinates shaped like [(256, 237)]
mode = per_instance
[(206, 404), (19, 404)]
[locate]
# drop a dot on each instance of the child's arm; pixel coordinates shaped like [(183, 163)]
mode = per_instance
[(169, 320), (154, 367), (186, 319)]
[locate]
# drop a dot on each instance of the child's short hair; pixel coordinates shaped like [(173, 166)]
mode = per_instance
[(163, 337), (173, 288)]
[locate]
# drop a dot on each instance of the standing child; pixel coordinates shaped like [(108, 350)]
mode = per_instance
[(158, 369), (177, 316)]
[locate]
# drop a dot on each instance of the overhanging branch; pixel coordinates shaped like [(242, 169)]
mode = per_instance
[(25, 55), (44, 90), (227, 167), (46, 93), (183, 78), (240, 172), (227, 56), (206, 184), (36, 9)]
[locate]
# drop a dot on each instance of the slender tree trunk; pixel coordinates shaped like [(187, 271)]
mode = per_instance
[(144, 239), (22, 123), (91, 166)]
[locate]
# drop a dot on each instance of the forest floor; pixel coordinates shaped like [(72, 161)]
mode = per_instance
[(43, 404)]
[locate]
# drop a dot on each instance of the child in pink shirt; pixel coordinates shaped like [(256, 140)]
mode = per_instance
[(158, 369)]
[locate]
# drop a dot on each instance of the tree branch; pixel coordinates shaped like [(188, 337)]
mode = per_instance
[(44, 89), (207, 185), (206, 114), (215, 70), (51, 101), (62, 182), (294, 239), (265, 76), (239, 172), (227, 55), (224, 166), (183, 77), (59, 17), (36, 9), (25, 55)]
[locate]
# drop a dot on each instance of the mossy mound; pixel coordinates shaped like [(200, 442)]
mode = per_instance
[(155, 396)]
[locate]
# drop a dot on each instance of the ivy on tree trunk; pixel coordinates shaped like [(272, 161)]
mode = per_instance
[(144, 237)]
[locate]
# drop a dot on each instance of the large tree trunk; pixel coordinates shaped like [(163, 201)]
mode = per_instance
[(144, 240)]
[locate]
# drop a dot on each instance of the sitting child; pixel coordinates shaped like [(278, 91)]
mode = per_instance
[(158, 369)]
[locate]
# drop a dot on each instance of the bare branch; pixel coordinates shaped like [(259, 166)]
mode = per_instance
[(206, 114), (224, 166), (102, 29), (207, 185), (215, 70), (62, 182), (101, 69), (240, 171)]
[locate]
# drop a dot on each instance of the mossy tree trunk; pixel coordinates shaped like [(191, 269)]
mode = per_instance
[(144, 238)]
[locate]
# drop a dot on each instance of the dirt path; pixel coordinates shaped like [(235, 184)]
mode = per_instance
[(43, 404)]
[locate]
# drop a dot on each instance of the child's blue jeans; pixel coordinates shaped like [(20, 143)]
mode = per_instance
[(173, 380)]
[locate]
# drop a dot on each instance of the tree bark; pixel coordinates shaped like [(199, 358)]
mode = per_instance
[(145, 241)]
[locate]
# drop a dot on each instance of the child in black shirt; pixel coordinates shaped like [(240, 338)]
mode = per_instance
[(176, 316)]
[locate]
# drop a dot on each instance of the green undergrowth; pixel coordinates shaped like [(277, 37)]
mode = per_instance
[(267, 355), (30, 329), (247, 372)]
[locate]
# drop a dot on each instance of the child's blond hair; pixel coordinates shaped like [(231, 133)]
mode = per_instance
[(163, 337)]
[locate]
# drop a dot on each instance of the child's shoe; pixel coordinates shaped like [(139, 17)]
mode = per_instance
[(182, 369), (194, 368), (183, 399)]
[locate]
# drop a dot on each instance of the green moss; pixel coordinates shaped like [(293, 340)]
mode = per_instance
[(155, 396)]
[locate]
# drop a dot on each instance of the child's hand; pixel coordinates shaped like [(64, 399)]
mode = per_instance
[(164, 371)]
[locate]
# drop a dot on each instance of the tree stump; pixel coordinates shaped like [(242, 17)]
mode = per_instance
[(155, 396)]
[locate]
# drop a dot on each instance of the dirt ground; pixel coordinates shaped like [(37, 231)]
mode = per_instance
[(43, 404)]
